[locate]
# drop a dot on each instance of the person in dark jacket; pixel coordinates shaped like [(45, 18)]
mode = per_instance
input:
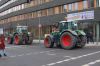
[(89, 37), (2, 46)]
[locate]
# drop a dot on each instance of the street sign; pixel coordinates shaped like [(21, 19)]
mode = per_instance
[(40, 25), (1, 30)]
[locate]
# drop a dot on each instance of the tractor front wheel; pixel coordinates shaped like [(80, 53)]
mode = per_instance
[(82, 42), (16, 39), (9, 40), (67, 40), (48, 42)]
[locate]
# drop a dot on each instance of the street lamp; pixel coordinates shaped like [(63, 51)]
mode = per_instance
[(65, 7), (39, 25)]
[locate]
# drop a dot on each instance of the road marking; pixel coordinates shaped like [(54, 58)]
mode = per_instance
[(46, 51), (50, 54), (74, 58), (12, 56), (30, 53), (13, 47), (21, 55), (67, 56), (92, 63)]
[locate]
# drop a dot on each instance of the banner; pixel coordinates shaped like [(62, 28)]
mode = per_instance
[(80, 16)]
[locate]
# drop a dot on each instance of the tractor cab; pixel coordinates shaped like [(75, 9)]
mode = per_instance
[(22, 29), (63, 25)]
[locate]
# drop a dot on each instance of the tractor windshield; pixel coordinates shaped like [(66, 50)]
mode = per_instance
[(21, 29), (72, 25), (67, 25)]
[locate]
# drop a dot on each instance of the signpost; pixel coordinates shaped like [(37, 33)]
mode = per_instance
[(1, 31)]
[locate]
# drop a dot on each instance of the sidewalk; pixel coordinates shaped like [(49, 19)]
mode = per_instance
[(37, 41), (93, 44), (90, 43)]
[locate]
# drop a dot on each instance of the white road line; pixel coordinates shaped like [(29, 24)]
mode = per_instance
[(67, 56), (35, 53), (13, 47), (46, 51), (74, 58), (30, 53), (12, 56), (92, 63), (50, 54), (21, 55)]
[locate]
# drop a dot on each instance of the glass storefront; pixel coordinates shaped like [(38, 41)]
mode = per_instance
[(91, 27)]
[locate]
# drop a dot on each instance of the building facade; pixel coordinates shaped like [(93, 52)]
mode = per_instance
[(44, 13)]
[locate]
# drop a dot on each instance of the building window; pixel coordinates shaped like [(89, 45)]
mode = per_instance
[(56, 10), (80, 5), (61, 9), (85, 4), (65, 8), (35, 14), (98, 3), (75, 6), (70, 7), (39, 13), (50, 11), (44, 12), (91, 3), (47, 0)]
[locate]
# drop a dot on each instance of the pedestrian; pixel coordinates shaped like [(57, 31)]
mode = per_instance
[(89, 37), (55, 35), (2, 46)]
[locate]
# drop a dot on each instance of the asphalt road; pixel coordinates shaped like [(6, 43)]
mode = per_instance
[(38, 55)]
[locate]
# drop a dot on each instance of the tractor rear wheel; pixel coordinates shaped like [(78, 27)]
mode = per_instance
[(16, 39), (30, 41), (67, 40), (48, 42), (82, 42), (9, 40)]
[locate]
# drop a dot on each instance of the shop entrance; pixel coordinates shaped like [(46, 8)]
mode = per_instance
[(88, 27)]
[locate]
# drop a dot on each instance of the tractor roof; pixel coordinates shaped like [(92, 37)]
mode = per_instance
[(21, 26), (62, 21)]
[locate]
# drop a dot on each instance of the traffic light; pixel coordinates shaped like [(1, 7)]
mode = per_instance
[(28, 1)]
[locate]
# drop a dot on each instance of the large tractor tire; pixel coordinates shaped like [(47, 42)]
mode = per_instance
[(9, 40), (48, 42), (30, 41), (67, 40), (16, 39), (25, 39), (81, 42)]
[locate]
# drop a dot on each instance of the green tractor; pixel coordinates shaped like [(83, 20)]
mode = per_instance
[(67, 36), (20, 36)]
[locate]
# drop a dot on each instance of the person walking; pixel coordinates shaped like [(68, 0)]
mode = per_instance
[(89, 37), (2, 46)]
